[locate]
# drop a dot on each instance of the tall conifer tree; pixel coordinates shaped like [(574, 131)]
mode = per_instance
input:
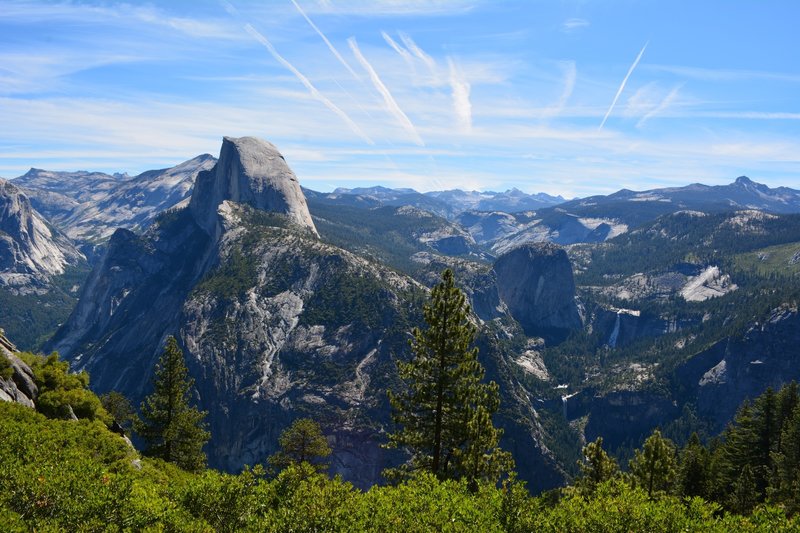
[(444, 412), (172, 428)]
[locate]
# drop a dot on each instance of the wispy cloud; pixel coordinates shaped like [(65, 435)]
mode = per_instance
[(420, 54), (665, 103), (570, 76), (574, 24), (305, 81), (391, 104), (405, 54), (396, 7), (460, 91), (722, 75), (622, 85), (330, 46)]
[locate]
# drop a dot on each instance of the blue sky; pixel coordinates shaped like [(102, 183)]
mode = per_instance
[(566, 97)]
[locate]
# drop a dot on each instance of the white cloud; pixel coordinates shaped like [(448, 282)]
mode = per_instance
[(391, 105), (405, 54), (394, 7), (661, 107), (570, 76), (460, 91), (420, 54), (574, 24)]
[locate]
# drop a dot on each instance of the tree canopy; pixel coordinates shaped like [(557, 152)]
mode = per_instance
[(172, 428), (303, 441), (444, 411)]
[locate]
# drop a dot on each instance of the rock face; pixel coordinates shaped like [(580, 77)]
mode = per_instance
[(30, 249), (20, 387), (766, 355), (625, 417), (249, 171), (535, 282)]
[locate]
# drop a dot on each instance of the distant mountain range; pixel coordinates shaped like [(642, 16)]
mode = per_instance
[(89, 206), (448, 204)]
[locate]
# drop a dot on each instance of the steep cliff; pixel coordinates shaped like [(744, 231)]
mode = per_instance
[(249, 171), (535, 282), (30, 249), (742, 366)]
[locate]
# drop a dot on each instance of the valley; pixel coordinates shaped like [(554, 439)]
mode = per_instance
[(598, 317)]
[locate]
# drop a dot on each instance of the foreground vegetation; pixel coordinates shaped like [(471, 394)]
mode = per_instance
[(78, 476), (65, 470)]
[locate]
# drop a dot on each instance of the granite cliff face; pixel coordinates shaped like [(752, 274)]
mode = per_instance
[(31, 250), (535, 282), (767, 354), (249, 171)]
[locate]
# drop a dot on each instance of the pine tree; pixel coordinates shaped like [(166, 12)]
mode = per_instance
[(172, 428), (745, 494), (694, 469), (597, 466), (444, 413), (786, 483), (303, 441), (120, 409), (653, 467)]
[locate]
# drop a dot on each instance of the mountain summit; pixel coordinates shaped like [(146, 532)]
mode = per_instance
[(249, 171)]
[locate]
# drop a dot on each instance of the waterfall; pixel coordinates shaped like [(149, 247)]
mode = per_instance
[(612, 341)]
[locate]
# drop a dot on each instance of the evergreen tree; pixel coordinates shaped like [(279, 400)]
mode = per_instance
[(120, 409), (444, 413), (303, 441), (597, 466), (172, 428), (694, 469), (745, 494), (786, 483), (653, 467)]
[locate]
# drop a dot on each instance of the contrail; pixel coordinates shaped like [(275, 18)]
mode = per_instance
[(622, 85), (417, 51), (313, 90), (391, 104), (405, 54), (333, 50)]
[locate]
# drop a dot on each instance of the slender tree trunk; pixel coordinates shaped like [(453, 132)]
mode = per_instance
[(437, 428)]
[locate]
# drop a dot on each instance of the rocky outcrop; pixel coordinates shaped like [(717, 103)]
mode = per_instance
[(719, 378), (535, 282), (249, 171), (20, 386), (30, 249)]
